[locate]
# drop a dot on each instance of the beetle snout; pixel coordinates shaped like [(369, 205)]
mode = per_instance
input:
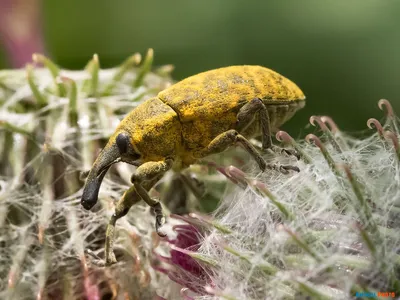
[(106, 158), (90, 194), (86, 204), (92, 186)]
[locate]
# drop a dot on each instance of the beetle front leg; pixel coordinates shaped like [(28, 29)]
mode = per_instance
[(149, 171), (130, 197), (246, 116), (122, 207), (232, 137)]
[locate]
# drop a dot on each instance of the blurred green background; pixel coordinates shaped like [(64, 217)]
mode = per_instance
[(344, 55)]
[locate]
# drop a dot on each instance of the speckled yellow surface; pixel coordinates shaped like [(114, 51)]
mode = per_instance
[(154, 129), (187, 116), (213, 93)]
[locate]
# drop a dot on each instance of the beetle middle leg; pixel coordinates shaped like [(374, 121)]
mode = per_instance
[(246, 116), (232, 137)]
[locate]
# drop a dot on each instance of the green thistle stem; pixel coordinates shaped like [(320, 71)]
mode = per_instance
[(263, 266), (54, 71), (303, 245), (15, 129), (145, 68), (72, 96), (40, 99), (263, 190), (125, 66), (312, 138), (93, 68), (327, 132), (310, 291)]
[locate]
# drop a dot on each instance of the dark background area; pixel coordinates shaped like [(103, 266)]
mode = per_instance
[(344, 55)]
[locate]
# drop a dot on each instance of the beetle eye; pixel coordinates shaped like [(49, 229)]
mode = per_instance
[(122, 142)]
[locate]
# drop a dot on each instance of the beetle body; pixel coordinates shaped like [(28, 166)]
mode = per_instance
[(201, 115), (186, 117)]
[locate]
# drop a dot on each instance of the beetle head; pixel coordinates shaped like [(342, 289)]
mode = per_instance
[(119, 148)]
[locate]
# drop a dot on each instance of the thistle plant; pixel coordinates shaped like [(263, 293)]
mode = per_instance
[(327, 232)]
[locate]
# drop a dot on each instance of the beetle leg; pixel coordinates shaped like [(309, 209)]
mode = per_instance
[(232, 137), (149, 171), (130, 197), (122, 207), (196, 186), (246, 116)]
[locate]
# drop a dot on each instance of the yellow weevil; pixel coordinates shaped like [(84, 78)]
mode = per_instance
[(198, 116)]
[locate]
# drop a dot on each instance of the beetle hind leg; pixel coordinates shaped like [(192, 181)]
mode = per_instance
[(246, 116), (232, 137)]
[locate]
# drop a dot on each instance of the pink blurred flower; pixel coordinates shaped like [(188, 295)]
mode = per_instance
[(181, 267), (20, 30)]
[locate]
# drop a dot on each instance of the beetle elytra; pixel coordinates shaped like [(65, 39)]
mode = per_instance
[(198, 116)]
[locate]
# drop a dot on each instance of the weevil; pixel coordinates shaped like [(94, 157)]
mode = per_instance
[(201, 115)]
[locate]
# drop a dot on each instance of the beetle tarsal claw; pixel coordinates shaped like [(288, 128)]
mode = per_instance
[(160, 219), (279, 150), (95, 259), (110, 259), (289, 167), (283, 168), (292, 152)]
